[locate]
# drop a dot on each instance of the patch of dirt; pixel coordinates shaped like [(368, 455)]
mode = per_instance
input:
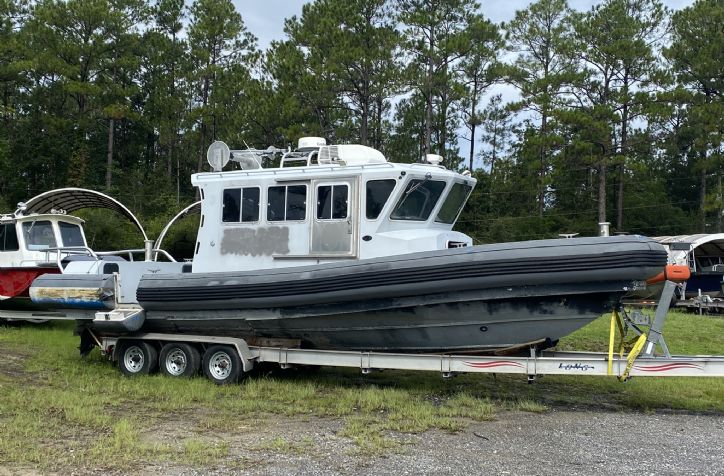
[(12, 362)]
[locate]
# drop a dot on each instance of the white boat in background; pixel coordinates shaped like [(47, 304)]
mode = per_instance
[(41, 237)]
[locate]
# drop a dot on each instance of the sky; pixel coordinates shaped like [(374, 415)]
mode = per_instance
[(265, 18)]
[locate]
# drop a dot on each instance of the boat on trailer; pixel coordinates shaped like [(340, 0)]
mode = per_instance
[(337, 248)]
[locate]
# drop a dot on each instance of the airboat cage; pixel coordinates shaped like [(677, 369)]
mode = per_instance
[(68, 200), (704, 255)]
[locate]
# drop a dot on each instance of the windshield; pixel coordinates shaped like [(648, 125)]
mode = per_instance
[(453, 203), (418, 200), (71, 234), (39, 235)]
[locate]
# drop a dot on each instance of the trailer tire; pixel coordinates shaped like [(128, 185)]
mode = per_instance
[(222, 364), (137, 358), (179, 359)]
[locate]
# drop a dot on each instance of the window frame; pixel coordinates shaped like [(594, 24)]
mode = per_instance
[(332, 186), (9, 226), (387, 201), (286, 202), (239, 221), (61, 224), (432, 209), (462, 204), (38, 247)]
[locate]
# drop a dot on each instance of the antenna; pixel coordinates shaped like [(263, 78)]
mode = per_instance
[(218, 155)]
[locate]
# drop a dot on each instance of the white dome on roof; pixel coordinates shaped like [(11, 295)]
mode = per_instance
[(351, 154)]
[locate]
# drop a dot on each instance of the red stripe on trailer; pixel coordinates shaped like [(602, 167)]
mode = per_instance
[(665, 367), (495, 363)]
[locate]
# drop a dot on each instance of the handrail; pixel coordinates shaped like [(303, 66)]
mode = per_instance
[(130, 252), (68, 250), (64, 251)]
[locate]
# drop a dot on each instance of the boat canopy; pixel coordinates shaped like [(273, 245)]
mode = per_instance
[(72, 199), (698, 251)]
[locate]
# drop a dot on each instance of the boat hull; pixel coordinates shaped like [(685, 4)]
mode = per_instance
[(470, 321), (476, 299), (15, 285)]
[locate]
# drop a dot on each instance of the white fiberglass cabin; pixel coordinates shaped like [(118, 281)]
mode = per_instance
[(27, 240), (323, 204)]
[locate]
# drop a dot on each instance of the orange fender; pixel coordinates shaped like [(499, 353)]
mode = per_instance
[(672, 272)]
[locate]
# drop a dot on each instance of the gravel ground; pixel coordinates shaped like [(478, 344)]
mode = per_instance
[(556, 442)]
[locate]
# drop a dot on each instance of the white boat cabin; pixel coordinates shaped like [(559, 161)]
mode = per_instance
[(32, 240), (323, 204)]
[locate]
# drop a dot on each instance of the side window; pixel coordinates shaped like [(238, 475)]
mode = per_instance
[(287, 203), (39, 235), (71, 234), (277, 203), (296, 202), (250, 204), (241, 205), (332, 202), (453, 203), (378, 192), (232, 199), (8, 238)]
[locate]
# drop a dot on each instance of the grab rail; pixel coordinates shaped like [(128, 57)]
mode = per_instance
[(62, 252)]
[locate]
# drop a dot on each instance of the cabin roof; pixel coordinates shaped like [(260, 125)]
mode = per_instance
[(711, 244)]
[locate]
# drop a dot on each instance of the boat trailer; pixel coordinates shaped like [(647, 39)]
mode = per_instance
[(233, 357)]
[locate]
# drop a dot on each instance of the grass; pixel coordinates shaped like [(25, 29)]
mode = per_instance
[(58, 411)]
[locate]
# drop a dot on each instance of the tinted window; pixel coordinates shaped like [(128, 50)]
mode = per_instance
[(332, 201), (378, 191), (38, 234), (324, 202), (296, 202), (453, 203), (276, 205), (418, 200), (250, 204), (339, 201), (8, 238), (287, 203), (71, 234), (232, 199)]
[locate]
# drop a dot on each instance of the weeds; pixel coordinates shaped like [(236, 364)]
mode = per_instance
[(58, 411)]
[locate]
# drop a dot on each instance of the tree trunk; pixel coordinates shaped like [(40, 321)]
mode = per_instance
[(472, 145), (443, 128), (109, 156), (178, 181), (378, 132), (202, 140), (428, 101), (543, 152), (624, 153), (473, 121), (602, 190), (702, 197), (363, 129)]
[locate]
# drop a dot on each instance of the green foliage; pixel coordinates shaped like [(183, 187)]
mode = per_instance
[(612, 114)]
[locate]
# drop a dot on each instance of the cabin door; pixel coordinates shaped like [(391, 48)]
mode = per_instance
[(334, 219)]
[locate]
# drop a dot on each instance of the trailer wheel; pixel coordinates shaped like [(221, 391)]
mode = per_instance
[(222, 364), (179, 360), (137, 357)]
